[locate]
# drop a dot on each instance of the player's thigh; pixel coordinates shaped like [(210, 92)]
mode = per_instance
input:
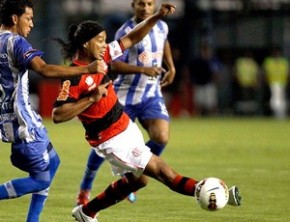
[(159, 170), (158, 130), (31, 157)]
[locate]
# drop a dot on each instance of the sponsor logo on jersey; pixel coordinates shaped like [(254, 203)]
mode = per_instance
[(64, 92), (90, 82), (146, 57), (29, 53)]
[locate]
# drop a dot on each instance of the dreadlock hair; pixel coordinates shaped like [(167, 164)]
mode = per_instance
[(79, 35)]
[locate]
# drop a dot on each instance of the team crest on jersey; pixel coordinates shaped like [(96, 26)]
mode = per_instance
[(136, 152), (145, 57)]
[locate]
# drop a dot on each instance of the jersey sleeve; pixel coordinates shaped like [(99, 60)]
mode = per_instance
[(114, 50), (119, 34), (24, 52), (165, 27)]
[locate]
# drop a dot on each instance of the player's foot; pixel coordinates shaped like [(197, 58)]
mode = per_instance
[(83, 197), (78, 214), (234, 196), (132, 197)]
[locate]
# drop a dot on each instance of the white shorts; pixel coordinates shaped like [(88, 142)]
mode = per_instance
[(126, 152)]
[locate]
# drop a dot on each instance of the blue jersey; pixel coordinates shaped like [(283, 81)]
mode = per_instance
[(18, 121), (138, 88)]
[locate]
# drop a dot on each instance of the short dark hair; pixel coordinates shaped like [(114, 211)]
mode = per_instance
[(12, 7)]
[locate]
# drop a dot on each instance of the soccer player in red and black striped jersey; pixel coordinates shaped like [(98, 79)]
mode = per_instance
[(139, 93), (108, 128)]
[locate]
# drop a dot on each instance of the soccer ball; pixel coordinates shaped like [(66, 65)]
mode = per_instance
[(211, 194)]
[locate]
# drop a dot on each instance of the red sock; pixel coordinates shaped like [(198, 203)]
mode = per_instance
[(183, 185)]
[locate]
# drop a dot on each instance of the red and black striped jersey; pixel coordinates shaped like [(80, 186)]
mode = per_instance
[(103, 119)]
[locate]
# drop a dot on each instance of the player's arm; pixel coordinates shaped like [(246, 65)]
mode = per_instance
[(168, 60), (125, 68), (68, 111), (57, 71), (143, 28)]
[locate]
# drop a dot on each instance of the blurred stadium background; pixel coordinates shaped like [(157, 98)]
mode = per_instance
[(229, 27)]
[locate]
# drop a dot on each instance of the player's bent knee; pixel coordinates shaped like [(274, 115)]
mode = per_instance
[(142, 182), (38, 185), (162, 138), (43, 185), (139, 182)]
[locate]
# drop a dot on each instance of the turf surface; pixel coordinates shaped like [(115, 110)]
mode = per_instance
[(251, 153)]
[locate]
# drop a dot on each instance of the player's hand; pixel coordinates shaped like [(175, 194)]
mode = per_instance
[(153, 71), (167, 79), (100, 92), (98, 66), (166, 9)]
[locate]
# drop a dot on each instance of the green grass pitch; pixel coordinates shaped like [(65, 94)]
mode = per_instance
[(253, 153)]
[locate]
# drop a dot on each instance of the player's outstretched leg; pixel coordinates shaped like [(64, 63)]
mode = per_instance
[(120, 189), (157, 149), (114, 193)]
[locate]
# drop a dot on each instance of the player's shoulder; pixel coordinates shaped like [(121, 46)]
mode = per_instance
[(74, 80), (15, 39), (127, 25), (162, 25), (162, 22), (18, 38)]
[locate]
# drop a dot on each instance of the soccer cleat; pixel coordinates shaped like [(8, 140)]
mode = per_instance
[(83, 197), (132, 197), (79, 216), (234, 196)]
